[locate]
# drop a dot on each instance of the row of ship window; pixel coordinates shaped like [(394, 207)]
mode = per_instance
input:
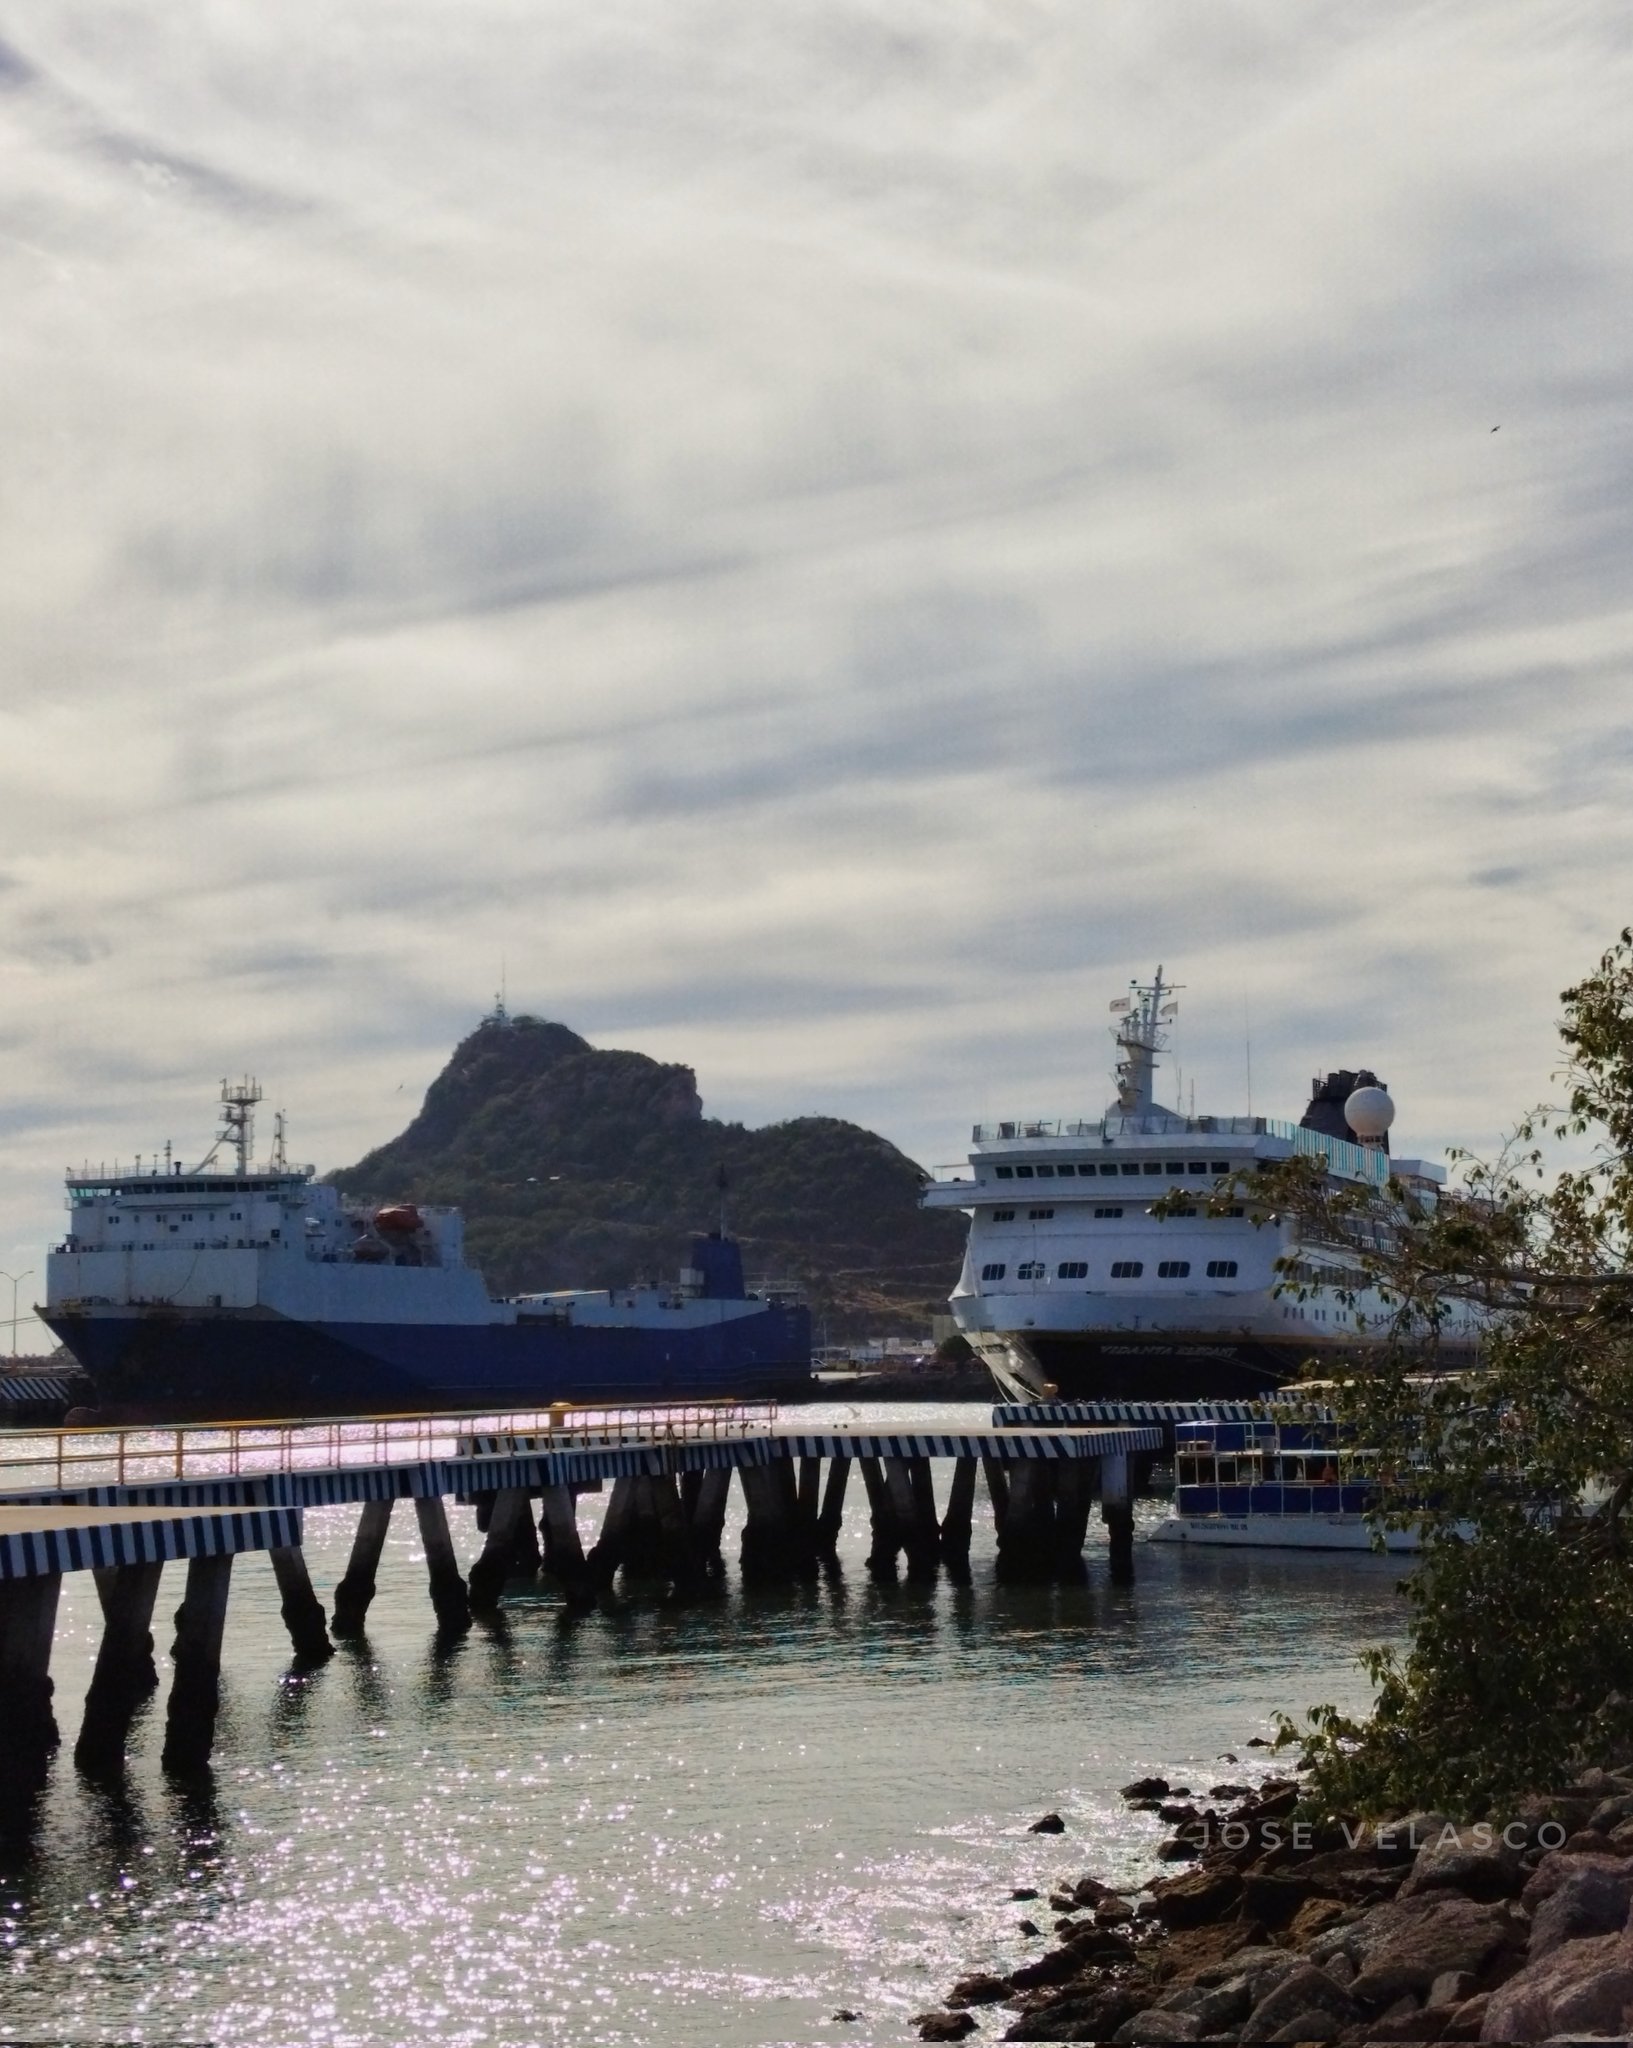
[(1121, 1269), (1047, 1215), (1111, 1168)]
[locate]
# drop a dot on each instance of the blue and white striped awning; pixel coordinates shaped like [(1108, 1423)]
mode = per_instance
[(1006, 1446), (96, 1538), (1090, 1414)]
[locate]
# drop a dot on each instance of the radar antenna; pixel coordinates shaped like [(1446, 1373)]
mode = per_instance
[(1140, 1035), (280, 1149)]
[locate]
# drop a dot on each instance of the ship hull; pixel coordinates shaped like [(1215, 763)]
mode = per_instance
[(1183, 1367), (1175, 1366), (177, 1365)]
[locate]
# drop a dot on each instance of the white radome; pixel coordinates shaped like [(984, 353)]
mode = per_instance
[(1369, 1112)]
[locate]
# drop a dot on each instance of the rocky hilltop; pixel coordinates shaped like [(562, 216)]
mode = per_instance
[(578, 1167)]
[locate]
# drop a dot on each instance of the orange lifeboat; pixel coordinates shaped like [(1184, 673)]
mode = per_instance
[(402, 1219)]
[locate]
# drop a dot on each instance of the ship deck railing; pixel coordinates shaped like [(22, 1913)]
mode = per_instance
[(37, 1460)]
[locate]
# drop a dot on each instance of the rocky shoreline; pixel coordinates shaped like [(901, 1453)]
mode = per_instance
[(1282, 1929)]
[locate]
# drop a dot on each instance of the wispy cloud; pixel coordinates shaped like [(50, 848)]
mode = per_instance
[(825, 538)]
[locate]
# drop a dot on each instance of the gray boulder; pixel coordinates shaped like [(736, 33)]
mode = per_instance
[(1479, 1864), (1079, 2016), (1584, 1987), (1591, 1897), (1261, 1969), (1610, 1813), (1304, 1993), (1405, 1944), (981, 1989), (1451, 1987), (1556, 1866), (944, 2026), (1147, 2029)]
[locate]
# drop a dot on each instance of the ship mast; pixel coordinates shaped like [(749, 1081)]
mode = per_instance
[(1140, 1036), (238, 1100)]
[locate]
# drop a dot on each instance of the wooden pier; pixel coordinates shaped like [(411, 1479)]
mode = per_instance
[(123, 1504)]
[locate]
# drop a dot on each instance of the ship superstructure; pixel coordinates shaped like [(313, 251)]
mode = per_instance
[(229, 1290), (1073, 1289)]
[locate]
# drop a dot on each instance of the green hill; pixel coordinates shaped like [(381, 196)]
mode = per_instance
[(582, 1168)]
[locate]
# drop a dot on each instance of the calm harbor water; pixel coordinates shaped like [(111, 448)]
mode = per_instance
[(716, 1824)]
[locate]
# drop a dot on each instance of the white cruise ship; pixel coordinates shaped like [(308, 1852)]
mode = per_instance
[(1073, 1290)]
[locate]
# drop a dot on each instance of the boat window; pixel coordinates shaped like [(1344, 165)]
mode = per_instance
[(1108, 1212), (1031, 1269), (1221, 1269), (1072, 1269), (1004, 1172), (1196, 1166), (1219, 1166), (1237, 1211), (1046, 1173), (1174, 1269), (1173, 1166), (1153, 1166), (1127, 1269), (1067, 1172), (1108, 1169), (1039, 1215), (1023, 1173), (1132, 1166), (992, 1272), (1003, 1215)]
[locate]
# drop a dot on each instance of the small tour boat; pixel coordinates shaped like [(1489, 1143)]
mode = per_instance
[(1278, 1483)]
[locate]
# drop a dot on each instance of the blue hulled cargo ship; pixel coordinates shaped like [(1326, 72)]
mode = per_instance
[(232, 1292)]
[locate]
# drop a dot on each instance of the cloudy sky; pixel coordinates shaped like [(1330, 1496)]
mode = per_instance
[(825, 537)]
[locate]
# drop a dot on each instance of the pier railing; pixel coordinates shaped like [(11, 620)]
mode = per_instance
[(32, 1461)]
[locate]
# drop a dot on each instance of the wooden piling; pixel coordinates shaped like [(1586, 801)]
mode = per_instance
[(112, 1589), (607, 1552), (912, 1502), (831, 1519), (956, 1523), (775, 1547), (356, 1589), (1026, 1541), (28, 1727), (997, 1490), (563, 1550), (707, 1517), (1074, 1497), (449, 1599), (195, 1689), (301, 1608), (124, 1675), (1117, 1512), (681, 1563), (886, 1531), (510, 1521), (810, 1488)]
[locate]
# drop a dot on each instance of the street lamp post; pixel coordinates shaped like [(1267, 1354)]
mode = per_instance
[(16, 1280)]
